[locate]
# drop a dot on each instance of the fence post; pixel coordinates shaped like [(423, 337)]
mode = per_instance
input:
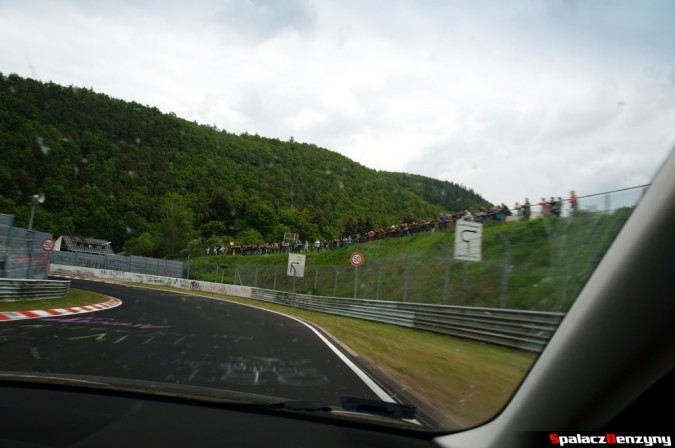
[(335, 282), (294, 271), (29, 274), (356, 280), (594, 244), (505, 273), (405, 277), (464, 280), (448, 267), (379, 278), (237, 275)]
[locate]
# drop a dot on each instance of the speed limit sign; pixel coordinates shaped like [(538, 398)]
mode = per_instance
[(356, 259), (47, 244)]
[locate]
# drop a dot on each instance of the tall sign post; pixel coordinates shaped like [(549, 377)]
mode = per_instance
[(47, 245), (468, 245), (356, 259), (296, 266)]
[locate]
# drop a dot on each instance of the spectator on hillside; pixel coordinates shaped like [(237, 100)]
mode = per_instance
[(526, 209), (545, 207), (574, 201), (506, 212), (443, 221), (555, 206), (495, 213)]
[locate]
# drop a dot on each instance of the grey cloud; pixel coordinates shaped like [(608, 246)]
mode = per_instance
[(577, 124), (264, 19), (671, 79)]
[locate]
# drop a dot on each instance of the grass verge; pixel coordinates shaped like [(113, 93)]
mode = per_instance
[(75, 297)]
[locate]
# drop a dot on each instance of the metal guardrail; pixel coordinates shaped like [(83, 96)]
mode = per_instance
[(521, 329), (25, 289)]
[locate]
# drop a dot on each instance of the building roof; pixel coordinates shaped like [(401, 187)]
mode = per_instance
[(73, 243)]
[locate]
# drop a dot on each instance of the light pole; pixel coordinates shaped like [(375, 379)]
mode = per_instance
[(33, 201)]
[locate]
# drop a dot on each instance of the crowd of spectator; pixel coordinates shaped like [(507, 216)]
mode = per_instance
[(496, 214)]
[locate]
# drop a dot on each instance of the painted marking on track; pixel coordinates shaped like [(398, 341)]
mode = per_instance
[(35, 314)]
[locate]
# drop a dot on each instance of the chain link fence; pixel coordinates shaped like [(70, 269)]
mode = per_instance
[(541, 265), (138, 265), (21, 253), (22, 256)]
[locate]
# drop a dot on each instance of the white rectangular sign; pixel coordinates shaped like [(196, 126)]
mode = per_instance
[(296, 265), (468, 241)]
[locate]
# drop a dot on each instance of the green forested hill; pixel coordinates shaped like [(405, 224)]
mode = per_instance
[(448, 195), (150, 182)]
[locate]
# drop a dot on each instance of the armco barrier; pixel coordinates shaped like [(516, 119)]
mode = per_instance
[(521, 329), (25, 289)]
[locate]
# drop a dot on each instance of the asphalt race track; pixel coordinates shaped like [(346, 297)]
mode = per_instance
[(178, 338)]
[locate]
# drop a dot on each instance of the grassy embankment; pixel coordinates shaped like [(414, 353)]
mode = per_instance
[(546, 263)]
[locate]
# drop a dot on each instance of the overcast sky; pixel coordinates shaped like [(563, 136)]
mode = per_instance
[(510, 98)]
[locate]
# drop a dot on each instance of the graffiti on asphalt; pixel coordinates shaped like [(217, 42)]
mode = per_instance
[(100, 331), (102, 321), (250, 370)]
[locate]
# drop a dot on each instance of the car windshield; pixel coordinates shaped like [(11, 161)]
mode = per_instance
[(378, 211)]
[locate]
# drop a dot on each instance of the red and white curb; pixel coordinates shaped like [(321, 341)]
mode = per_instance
[(35, 314)]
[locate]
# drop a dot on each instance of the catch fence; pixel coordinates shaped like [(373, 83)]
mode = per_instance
[(135, 264), (543, 266), (21, 252), (22, 256)]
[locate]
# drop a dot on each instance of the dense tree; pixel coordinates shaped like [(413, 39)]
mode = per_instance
[(262, 217), (7, 205), (250, 236), (174, 229), (220, 208), (446, 194), (142, 245), (211, 229)]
